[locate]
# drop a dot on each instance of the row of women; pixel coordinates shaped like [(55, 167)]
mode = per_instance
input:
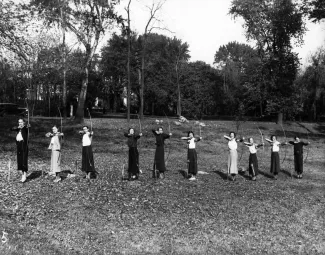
[(159, 165), (275, 159), (55, 147)]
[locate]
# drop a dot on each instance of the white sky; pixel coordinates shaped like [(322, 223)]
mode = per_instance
[(205, 25)]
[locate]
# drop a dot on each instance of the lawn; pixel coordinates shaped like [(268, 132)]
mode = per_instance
[(211, 215)]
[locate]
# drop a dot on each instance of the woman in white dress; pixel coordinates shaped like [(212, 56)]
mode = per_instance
[(233, 155), (55, 147)]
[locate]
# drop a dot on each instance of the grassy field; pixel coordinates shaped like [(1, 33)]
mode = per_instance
[(172, 216)]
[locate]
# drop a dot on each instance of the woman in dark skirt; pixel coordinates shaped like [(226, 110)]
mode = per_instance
[(253, 163), (133, 168), (191, 155), (22, 147), (275, 159), (298, 155), (159, 163), (87, 153)]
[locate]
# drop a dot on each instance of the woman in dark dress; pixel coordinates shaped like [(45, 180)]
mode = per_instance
[(22, 148), (191, 155), (298, 155), (159, 163), (87, 153), (133, 168)]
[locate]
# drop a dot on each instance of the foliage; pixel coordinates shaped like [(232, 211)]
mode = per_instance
[(237, 64), (273, 25)]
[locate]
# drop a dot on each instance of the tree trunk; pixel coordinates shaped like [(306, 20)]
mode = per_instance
[(142, 83), (280, 118), (82, 96), (64, 60), (128, 65), (179, 109)]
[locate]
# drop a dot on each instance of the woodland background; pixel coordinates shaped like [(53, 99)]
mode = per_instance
[(266, 81)]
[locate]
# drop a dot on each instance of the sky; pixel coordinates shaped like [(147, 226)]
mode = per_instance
[(205, 25)]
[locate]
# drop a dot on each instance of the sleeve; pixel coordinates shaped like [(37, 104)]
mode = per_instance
[(14, 129), (166, 136), (197, 139), (304, 144), (154, 132), (126, 135), (291, 142), (137, 137)]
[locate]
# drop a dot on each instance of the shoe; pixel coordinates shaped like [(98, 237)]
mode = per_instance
[(23, 178), (192, 178), (57, 179), (254, 178), (275, 177), (233, 178), (161, 175)]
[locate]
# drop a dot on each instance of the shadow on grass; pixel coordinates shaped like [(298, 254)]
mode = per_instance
[(244, 175), (287, 173), (34, 175), (183, 173), (223, 175), (267, 175)]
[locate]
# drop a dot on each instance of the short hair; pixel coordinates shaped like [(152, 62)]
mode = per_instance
[(130, 129), (160, 128), (189, 132), (85, 126), (21, 119), (233, 133), (296, 137), (273, 136)]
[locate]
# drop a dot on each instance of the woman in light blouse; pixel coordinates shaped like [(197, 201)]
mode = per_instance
[(233, 156), (252, 163), (191, 154), (55, 147), (275, 159)]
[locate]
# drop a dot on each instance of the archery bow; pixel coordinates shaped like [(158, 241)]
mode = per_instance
[(307, 132), (61, 127), (169, 141), (91, 122), (242, 149), (307, 147), (285, 152), (140, 131), (261, 137)]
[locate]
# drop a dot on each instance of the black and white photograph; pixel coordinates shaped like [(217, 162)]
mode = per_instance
[(179, 127)]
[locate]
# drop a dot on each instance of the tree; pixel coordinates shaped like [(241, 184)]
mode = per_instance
[(154, 8), (315, 9), (179, 54), (88, 21), (238, 64), (129, 60), (199, 86), (273, 24), (14, 22)]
